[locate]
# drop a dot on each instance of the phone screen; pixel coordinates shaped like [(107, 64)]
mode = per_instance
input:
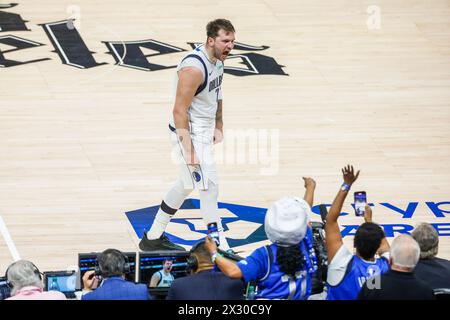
[(360, 203)]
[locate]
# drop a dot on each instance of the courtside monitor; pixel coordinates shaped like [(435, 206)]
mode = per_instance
[(153, 262), (88, 261), (62, 281)]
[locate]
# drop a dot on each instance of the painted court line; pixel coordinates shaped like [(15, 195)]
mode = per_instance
[(9, 242)]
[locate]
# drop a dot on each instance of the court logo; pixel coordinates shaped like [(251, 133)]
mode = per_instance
[(242, 224), (72, 50), (197, 177), (245, 224)]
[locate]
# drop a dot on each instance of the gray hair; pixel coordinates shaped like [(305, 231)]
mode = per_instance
[(428, 239), (23, 273), (405, 251)]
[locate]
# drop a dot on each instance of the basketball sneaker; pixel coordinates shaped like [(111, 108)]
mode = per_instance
[(160, 244)]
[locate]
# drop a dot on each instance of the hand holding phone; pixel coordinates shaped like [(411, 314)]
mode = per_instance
[(213, 232), (360, 203)]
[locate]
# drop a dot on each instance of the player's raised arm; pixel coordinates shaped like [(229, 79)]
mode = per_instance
[(189, 79)]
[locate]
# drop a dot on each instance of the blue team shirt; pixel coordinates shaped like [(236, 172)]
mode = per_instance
[(357, 273), (274, 284)]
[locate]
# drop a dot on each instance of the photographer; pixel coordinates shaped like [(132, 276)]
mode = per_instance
[(205, 282), (347, 272), (26, 282), (112, 268), (283, 270)]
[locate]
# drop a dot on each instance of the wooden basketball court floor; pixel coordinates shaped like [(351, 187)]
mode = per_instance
[(367, 83)]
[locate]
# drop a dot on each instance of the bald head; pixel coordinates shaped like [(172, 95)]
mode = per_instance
[(405, 252)]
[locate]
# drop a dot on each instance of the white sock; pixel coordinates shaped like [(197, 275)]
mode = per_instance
[(210, 211), (173, 199), (159, 225), (223, 241)]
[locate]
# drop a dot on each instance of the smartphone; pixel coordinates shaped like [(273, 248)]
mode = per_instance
[(360, 203), (213, 232)]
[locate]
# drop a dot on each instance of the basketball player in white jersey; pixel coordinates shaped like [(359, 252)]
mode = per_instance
[(163, 277), (195, 126)]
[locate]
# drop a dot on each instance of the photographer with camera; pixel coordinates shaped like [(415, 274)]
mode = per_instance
[(347, 272), (284, 269), (112, 267), (25, 281), (205, 282)]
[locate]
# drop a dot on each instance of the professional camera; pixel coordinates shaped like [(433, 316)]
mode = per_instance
[(320, 278), (5, 289)]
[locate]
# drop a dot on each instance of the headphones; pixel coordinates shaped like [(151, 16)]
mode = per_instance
[(192, 261), (123, 266), (36, 271)]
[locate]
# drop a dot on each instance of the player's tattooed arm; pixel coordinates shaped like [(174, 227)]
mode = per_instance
[(219, 118), (218, 133)]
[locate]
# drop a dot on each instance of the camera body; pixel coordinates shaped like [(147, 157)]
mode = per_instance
[(320, 277), (5, 288)]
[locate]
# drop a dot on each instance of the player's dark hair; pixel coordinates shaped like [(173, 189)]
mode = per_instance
[(213, 27), (368, 239), (290, 259)]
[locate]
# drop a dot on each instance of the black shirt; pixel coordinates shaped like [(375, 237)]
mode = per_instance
[(395, 285), (435, 272)]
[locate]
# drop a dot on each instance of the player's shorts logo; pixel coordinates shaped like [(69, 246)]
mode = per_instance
[(197, 177)]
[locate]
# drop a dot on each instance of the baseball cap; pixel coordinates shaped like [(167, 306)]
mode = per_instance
[(287, 220)]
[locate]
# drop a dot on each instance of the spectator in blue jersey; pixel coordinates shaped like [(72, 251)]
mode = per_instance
[(284, 269), (347, 272)]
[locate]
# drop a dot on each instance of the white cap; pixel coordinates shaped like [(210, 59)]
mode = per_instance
[(287, 220)]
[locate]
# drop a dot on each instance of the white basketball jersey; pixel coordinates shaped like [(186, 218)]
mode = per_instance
[(165, 280), (202, 112)]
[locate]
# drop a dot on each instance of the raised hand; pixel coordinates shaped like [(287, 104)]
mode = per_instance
[(309, 182), (349, 174)]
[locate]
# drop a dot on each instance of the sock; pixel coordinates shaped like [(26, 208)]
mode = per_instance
[(210, 211), (169, 206)]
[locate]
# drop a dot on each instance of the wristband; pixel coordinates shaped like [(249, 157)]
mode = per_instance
[(214, 257), (345, 187)]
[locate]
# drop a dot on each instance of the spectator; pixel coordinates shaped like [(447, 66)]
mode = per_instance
[(163, 277), (399, 283), (113, 266), (346, 271), (430, 269), (284, 269), (26, 281), (205, 281)]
